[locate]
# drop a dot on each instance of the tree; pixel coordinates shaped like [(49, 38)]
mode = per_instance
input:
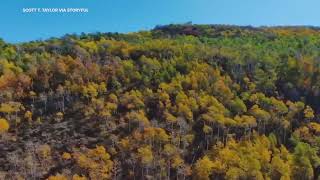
[(246, 122), (308, 113), (203, 168), (132, 100), (4, 125), (28, 116), (305, 160), (11, 108), (265, 80), (58, 177), (146, 156), (77, 177), (96, 162), (238, 106), (261, 115), (66, 156)]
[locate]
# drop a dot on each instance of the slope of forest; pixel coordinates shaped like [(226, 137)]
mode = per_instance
[(177, 102)]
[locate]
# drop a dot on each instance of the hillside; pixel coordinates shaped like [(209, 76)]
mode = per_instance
[(177, 102)]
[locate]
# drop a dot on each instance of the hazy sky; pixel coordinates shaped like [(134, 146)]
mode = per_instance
[(135, 15)]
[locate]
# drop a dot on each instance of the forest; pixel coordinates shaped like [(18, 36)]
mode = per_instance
[(181, 101)]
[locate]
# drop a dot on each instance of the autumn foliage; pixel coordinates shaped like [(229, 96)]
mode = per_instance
[(177, 102)]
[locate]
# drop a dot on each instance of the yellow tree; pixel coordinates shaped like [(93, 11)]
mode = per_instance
[(57, 177), (308, 113), (11, 108), (4, 125), (28, 116), (261, 115), (77, 177), (203, 168), (146, 157), (96, 162)]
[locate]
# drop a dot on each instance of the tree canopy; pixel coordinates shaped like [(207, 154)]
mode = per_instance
[(176, 102)]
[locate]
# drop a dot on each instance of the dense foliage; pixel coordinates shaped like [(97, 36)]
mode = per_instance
[(178, 102)]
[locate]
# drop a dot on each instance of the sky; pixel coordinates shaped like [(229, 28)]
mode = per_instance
[(135, 15)]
